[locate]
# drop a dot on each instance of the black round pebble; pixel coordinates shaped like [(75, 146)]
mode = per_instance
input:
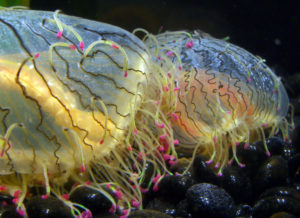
[(275, 145), (161, 205), (173, 188), (235, 180), (207, 200), (182, 210), (47, 208), (148, 214), (202, 172), (252, 157), (281, 192), (244, 210), (92, 199), (273, 172), (266, 207)]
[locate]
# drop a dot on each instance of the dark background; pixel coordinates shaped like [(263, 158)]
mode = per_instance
[(270, 29)]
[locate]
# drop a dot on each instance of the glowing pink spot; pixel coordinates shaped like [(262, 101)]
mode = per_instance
[(82, 168), (81, 45), (166, 88), (114, 46), (160, 125), (180, 67), (125, 73), (20, 212), (17, 193), (162, 137), (73, 47), (86, 214), (228, 112), (278, 108), (236, 143), (101, 141), (125, 213), (108, 185), (220, 174), (268, 153), (175, 117), (217, 165), (249, 79), (176, 142), (118, 193), (189, 44), (88, 183), (172, 157), (161, 148), (112, 209), (155, 188), (36, 55), (230, 162), (135, 203), (143, 190), (265, 124), (246, 146), (241, 165), (169, 53), (129, 148), (215, 139), (135, 131), (156, 102), (209, 161), (65, 196), (166, 156), (172, 162), (44, 197), (15, 200), (176, 89), (59, 34), (158, 58), (169, 74), (2, 188), (156, 178)]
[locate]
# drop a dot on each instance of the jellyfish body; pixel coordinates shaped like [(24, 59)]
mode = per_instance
[(91, 101), (62, 107), (226, 95)]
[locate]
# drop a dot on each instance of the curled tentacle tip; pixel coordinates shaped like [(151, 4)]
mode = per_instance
[(114, 46), (44, 197), (81, 45), (176, 142), (59, 34), (209, 161), (21, 212), (73, 47), (82, 168), (36, 55), (189, 44), (65, 196), (241, 165)]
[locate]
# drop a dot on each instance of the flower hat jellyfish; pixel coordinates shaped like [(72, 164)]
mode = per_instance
[(225, 95)]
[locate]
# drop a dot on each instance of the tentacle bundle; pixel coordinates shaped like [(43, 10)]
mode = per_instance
[(90, 103)]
